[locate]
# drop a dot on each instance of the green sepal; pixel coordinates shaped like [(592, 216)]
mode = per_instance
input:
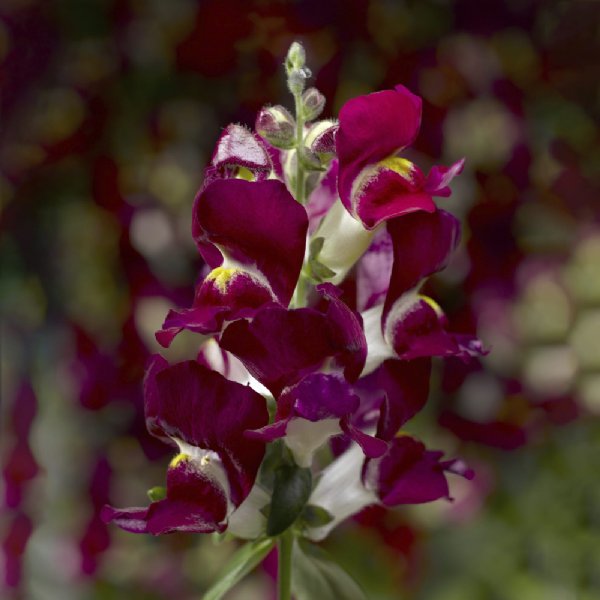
[(158, 492), (315, 516), (291, 490), (317, 271), (242, 562), (315, 575)]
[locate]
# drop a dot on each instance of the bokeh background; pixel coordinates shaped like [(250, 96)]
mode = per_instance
[(110, 109)]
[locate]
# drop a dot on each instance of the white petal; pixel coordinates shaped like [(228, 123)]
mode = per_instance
[(346, 240), (304, 437), (378, 349), (246, 521), (340, 491)]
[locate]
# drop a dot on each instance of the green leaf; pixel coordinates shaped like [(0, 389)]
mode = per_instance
[(157, 493), (315, 575), (290, 493), (315, 516), (242, 562)]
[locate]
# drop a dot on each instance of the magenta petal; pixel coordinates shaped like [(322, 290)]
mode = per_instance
[(406, 474), (348, 330), (194, 503), (386, 195), (419, 331), (422, 245), (439, 178), (371, 128), (280, 346), (373, 447), (200, 407), (258, 225), (134, 520), (216, 301)]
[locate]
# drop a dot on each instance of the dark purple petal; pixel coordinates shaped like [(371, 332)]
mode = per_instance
[(372, 128), (190, 403), (408, 474), (348, 331), (225, 294), (258, 225), (417, 329), (319, 396), (439, 178), (422, 245), (281, 346)]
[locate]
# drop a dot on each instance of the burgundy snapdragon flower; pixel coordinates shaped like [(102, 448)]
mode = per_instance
[(204, 415), (375, 184)]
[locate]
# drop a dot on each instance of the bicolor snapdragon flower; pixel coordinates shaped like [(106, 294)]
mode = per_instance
[(295, 363)]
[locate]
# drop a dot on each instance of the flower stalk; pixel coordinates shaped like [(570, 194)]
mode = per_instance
[(285, 547)]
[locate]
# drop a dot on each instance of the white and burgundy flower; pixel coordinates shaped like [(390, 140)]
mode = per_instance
[(313, 410), (205, 416), (407, 324), (375, 184), (252, 235), (407, 473)]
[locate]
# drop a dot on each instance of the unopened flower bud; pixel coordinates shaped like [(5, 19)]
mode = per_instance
[(296, 58), (277, 126), (313, 103), (297, 80)]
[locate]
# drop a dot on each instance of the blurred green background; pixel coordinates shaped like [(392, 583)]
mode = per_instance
[(110, 110)]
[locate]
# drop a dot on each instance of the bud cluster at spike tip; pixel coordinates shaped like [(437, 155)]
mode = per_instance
[(340, 368)]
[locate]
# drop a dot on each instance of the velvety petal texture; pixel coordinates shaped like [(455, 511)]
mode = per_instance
[(422, 245), (313, 410), (257, 226), (416, 327), (279, 347), (253, 235), (205, 415), (409, 473)]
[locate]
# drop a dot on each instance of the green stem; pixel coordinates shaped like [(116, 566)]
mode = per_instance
[(284, 576), (299, 143)]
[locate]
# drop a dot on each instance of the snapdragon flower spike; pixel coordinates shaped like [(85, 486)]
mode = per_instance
[(313, 410), (375, 185), (253, 236), (279, 347), (205, 416), (239, 152)]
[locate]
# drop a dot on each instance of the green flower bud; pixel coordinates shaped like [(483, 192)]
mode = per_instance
[(313, 103), (296, 58)]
